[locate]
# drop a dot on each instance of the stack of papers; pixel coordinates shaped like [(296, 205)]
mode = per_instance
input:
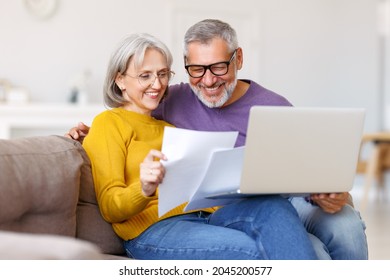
[(200, 164)]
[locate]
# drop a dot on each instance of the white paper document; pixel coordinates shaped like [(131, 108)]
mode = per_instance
[(222, 177), (199, 163)]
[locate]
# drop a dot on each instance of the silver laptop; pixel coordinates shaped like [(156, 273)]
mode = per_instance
[(292, 150)]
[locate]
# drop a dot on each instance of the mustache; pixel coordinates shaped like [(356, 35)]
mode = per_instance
[(216, 84)]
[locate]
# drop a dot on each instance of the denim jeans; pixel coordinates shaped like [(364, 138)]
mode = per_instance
[(339, 236), (262, 227)]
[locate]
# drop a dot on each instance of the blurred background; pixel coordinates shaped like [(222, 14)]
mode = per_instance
[(314, 52), (336, 53)]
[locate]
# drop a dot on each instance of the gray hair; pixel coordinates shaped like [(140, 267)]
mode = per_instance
[(207, 30), (133, 47)]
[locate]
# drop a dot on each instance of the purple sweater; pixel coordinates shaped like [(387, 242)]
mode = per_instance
[(183, 109)]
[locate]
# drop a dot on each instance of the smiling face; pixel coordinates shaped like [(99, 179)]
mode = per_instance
[(214, 91), (140, 86)]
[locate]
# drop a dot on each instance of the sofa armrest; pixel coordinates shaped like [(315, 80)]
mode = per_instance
[(23, 246)]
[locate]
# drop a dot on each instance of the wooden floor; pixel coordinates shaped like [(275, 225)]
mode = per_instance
[(376, 215)]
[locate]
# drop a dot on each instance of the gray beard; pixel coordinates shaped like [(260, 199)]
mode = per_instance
[(228, 92)]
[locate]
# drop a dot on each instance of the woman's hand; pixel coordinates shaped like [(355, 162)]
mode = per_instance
[(152, 172)]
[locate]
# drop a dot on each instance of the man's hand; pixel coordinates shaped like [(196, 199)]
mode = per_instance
[(78, 132), (332, 202)]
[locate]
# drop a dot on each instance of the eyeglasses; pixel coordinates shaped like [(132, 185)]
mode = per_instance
[(147, 79), (217, 69)]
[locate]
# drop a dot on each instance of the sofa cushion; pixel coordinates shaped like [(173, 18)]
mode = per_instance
[(90, 224), (46, 186), (39, 185)]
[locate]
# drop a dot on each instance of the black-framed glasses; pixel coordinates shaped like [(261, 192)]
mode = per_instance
[(147, 79), (217, 69)]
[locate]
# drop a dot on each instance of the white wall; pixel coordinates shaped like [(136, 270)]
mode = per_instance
[(45, 56), (384, 28), (315, 52)]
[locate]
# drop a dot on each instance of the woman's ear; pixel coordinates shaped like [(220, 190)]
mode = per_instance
[(119, 80)]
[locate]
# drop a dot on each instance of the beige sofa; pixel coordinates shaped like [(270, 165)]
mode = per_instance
[(48, 208)]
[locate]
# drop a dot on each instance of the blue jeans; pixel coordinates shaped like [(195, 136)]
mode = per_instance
[(339, 236), (262, 227)]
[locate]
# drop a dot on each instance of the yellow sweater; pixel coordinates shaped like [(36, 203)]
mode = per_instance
[(116, 144)]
